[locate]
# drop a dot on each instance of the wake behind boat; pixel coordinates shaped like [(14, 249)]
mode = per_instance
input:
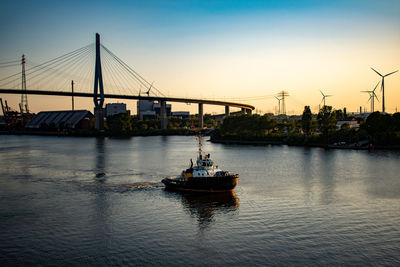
[(204, 177)]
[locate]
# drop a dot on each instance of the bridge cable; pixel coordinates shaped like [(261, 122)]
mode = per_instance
[(10, 65), (42, 65), (10, 62), (108, 75), (127, 68), (73, 65), (142, 80), (121, 74), (56, 71)]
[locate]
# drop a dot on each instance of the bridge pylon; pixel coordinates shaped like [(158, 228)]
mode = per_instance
[(98, 94)]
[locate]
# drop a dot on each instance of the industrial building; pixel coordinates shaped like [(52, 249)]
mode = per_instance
[(181, 114), (149, 109), (78, 119), (115, 108)]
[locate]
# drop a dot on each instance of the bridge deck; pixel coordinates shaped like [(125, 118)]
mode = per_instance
[(157, 98)]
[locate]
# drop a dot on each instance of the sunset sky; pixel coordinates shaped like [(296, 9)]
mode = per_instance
[(243, 51)]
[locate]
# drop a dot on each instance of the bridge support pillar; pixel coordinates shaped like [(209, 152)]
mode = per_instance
[(201, 119), (163, 114), (243, 111), (227, 111), (99, 118), (98, 94), (248, 111)]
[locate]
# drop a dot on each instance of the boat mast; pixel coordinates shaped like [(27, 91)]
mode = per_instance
[(199, 137)]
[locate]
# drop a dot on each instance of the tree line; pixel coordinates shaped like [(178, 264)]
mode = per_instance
[(311, 129)]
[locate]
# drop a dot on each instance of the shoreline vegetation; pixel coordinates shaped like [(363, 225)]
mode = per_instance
[(377, 131)]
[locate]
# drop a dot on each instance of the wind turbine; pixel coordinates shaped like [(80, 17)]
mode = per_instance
[(372, 97), (324, 96), (148, 91), (383, 86), (279, 105)]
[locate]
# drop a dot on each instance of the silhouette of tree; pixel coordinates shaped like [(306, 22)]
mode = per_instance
[(306, 120), (326, 121), (119, 124)]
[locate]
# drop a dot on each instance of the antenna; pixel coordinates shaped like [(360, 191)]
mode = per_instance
[(282, 95), (383, 86), (324, 97), (198, 136)]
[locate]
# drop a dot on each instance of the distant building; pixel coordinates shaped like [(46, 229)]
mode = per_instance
[(149, 114), (353, 123), (181, 114), (143, 107), (157, 108), (149, 109), (116, 108), (295, 117), (78, 119)]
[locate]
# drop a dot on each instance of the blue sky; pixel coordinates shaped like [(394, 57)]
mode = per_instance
[(216, 48)]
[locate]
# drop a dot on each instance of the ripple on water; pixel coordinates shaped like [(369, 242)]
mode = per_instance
[(80, 201)]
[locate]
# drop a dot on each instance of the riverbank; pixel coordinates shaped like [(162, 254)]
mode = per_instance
[(331, 146), (186, 132), (93, 133)]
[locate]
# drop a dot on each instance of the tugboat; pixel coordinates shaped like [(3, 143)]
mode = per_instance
[(204, 177)]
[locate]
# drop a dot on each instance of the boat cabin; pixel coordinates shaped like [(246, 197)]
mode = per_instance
[(205, 161)]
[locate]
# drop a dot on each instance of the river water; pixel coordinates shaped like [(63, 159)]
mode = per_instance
[(86, 201)]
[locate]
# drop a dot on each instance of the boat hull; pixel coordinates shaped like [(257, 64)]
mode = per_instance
[(202, 184)]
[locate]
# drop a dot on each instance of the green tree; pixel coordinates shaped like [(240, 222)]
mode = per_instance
[(339, 114), (306, 120), (396, 121), (119, 124), (378, 122), (326, 121)]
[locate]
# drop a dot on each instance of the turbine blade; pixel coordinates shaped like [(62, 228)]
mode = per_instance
[(390, 73), (376, 72), (375, 87), (322, 93)]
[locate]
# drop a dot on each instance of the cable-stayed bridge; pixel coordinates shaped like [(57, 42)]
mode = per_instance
[(72, 75)]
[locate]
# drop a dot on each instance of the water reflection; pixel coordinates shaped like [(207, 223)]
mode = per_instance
[(382, 177), (100, 213), (307, 175), (205, 207), (327, 180), (100, 164)]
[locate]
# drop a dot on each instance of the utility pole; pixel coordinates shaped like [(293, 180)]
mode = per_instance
[(24, 97), (282, 95), (72, 87)]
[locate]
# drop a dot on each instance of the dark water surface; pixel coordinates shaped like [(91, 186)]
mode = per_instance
[(86, 201)]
